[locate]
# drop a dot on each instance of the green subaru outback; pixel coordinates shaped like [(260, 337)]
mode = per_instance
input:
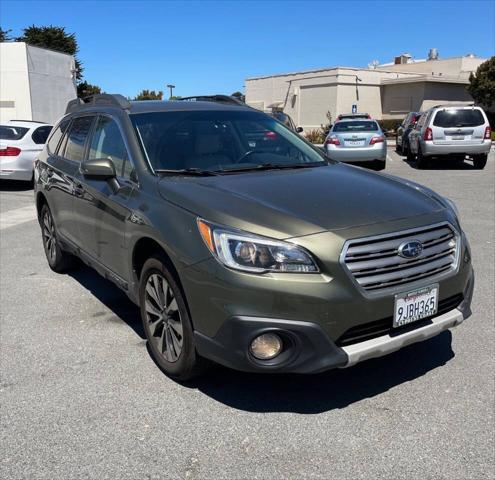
[(242, 243)]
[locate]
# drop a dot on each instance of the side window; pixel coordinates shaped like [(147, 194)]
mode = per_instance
[(107, 142), (76, 139), (40, 135), (56, 135)]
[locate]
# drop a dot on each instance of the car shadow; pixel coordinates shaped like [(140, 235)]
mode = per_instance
[(111, 296), (15, 186), (305, 394), (442, 164), (335, 389)]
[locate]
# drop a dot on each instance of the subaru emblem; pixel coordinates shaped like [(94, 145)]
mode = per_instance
[(411, 249)]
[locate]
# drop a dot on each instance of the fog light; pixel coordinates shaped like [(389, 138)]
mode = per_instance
[(266, 346)]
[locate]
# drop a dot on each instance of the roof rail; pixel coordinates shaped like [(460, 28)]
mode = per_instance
[(26, 121), (214, 98), (458, 104), (113, 100)]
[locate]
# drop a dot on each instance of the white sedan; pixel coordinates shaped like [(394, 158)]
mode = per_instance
[(21, 141)]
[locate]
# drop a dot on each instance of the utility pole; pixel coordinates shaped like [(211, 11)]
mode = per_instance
[(171, 88)]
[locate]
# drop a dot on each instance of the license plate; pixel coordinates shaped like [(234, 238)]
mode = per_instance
[(457, 137), (413, 306), (354, 143)]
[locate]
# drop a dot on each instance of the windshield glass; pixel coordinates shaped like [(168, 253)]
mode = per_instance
[(220, 140), (458, 118), (356, 126), (9, 132)]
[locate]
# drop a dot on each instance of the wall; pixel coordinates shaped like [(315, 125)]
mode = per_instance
[(15, 98), (51, 83)]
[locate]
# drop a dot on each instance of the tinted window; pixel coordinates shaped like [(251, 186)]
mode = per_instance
[(9, 132), (458, 118), (57, 135), (355, 126), (40, 135), (107, 142), (217, 140), (76, 139)]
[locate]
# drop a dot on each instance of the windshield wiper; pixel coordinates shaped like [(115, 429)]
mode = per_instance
[(273, 166), (187, 171)]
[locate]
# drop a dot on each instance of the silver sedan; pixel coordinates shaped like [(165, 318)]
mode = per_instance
[(357, 141)]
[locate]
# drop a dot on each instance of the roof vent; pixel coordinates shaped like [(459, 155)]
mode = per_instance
[(433, 54)]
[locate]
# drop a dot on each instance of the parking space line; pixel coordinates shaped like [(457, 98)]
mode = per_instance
[(11, 218)]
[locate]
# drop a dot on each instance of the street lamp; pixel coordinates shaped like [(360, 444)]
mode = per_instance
[(171, 87)]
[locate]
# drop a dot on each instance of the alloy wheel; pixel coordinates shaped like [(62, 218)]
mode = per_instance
[(49, 236), (163, 316)]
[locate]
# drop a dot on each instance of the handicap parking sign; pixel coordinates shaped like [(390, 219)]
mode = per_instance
[(354, 109)]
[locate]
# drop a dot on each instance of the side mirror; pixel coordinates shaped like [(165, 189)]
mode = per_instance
[(299, 129), (99, 169)]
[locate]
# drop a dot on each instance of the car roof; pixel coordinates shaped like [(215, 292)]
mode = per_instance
[(25, 123), (342, 120), (148, 106)]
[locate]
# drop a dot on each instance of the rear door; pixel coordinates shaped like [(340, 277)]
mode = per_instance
[(102, 212), (65, 150), (454, 126)]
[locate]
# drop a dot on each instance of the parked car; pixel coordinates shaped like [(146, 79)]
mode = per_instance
[(276, 260), (357, 141), (403, 131), (448, 131), (353, 116), (21, 141), (286, 120)]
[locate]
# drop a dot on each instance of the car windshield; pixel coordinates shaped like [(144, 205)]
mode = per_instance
[(356, 126), (458, 118), (10, 132), (220, 141)]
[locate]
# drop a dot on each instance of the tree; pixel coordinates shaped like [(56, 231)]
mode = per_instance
[(5, 35), (175, 97), (149, 95), (482, 85), (239, 96), (54, 38), (85, 89)]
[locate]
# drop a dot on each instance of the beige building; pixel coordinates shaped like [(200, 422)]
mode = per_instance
[(35, 83), (386, 91)]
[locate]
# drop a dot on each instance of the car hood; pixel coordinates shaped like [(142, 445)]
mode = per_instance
[(292, 203)]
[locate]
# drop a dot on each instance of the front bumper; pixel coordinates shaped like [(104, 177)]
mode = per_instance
[(309, 348)]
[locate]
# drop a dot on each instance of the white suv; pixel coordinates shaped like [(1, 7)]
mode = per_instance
[(451, 130), (21, 141)]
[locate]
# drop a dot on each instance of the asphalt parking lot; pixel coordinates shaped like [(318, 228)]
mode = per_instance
[(81, 397)]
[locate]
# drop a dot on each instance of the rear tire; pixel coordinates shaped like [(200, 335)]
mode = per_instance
[(421, 160), (166, 322), (410, 156), (379, 165), (58, 260), (479, 161)]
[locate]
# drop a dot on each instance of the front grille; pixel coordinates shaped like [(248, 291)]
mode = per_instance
[(375, 262), (367, 331)]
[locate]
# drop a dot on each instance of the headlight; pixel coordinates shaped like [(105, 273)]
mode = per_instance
[(250, 253)]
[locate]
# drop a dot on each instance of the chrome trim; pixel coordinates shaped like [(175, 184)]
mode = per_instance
[(392, 290)]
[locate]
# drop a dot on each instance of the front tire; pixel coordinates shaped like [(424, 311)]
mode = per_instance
[(479, 161), (58, 260), (166, 321)]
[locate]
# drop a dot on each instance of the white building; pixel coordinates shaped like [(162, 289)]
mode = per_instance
[(35, 83), (386, 91)]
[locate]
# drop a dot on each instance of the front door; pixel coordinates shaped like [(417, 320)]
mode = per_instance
[(100, 209)]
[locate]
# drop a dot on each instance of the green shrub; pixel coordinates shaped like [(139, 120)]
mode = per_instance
[(493, 136), (315, 136)]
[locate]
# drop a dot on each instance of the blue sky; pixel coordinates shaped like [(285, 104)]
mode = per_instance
[(211, 47)]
